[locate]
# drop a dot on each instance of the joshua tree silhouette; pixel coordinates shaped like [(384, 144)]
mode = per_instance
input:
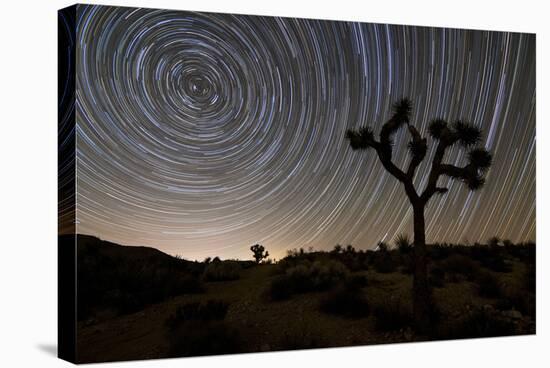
[(258, 252), (472, 174)]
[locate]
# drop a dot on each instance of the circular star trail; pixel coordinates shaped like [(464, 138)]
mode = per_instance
[(201, 134)]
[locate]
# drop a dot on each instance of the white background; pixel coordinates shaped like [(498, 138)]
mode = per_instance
[(28, 179)]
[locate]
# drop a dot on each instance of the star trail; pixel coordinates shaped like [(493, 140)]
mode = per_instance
[(201, 134)]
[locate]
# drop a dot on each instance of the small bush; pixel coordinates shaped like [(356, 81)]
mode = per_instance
[(382, 246), (384, 263), (346, 301), (358, 281), (494, 241), (393, 315), (491, 257), (327, 274), (488, 285), (478, 323), (519, 300), (439, 251), (407, 264), (212, 310), (459, 267), (199, 329), (306, 277), (222, 271), (437, 277), (194, 338), (279, 288), (403, 244)]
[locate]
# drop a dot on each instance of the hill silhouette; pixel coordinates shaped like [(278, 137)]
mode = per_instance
[(114, 279)]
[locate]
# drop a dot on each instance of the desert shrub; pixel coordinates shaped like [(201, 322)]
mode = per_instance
[(327, 274), (382, 246), (488, 285), (525, 252), (307, 276), (490, 256), (199, 329), (358, 281), (477, 323), (195, 338), (407, 264), (278, 288), (494, 241), (347, 300), (352, 259), (384, 263), (519, 300), (222, 271), (521, 296), (403, 243), (211, 310), (437, 276), (496, 263), (439, 251), (392, 315), (245, 265), (291, 261), (459, 267)]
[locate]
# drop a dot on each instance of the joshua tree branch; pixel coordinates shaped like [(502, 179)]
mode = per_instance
[(417, 148), (363, 139), (441, 190), (435, 171), (455, 171), (389, 165)]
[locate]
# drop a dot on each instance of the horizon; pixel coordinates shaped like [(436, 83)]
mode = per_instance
[(391, 246), (233, 135)]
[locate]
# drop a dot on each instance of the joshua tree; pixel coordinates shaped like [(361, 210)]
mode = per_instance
[(258, 251), (472, 174)]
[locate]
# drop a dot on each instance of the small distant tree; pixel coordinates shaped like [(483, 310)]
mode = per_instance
[(448, 136), (259, 252), (337, 249)]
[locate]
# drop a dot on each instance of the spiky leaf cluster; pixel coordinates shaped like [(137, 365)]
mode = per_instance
[(360, 139), (402, 110), (466, 134)]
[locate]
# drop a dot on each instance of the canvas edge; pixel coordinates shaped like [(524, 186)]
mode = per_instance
[(66, 246)]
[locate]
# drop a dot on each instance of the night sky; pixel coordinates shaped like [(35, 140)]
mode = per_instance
[(202, 134)]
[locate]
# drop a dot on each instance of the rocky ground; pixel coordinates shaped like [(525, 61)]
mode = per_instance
[(261, 324)]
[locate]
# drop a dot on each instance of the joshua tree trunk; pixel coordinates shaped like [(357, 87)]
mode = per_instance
[(421, 291)]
